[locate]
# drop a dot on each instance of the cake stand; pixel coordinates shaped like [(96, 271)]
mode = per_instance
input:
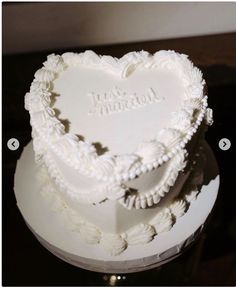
[(49, 229)]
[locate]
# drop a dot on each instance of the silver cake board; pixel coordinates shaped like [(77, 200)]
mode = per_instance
[(52, 232)]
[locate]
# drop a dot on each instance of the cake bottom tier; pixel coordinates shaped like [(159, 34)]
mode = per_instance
[(91, 235)]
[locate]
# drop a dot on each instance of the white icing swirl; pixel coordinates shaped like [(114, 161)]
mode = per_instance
[(54, 127), (89, 58), (37, 101), (182, 119), (178, 208), (126, 162), (67, 142), (194, 91), (195, 75), (140, 234), (108, 61), (169, 59), (30, 100), (162, 222), (114, 244), (129, 61), (54, 63), (169, 136), (71, 59), (135, 57), (104, 165), (150, 151), (44, 75), (192, 103), (37, 86)]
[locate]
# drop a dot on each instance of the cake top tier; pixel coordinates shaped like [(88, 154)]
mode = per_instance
[(138, 109), (118, 108)]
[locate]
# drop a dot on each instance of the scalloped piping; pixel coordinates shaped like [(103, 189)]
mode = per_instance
[(115, 244), (138, 201), (154, 195), (89, 198), (193, 80), (137, 235)]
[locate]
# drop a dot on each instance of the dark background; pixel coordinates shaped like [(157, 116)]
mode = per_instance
[(212, 259)]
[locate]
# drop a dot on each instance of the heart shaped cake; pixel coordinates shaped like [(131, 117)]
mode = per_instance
[(116, 141)]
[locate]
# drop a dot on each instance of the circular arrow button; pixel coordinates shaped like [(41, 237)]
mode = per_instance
[(224, 144), (13, 144)]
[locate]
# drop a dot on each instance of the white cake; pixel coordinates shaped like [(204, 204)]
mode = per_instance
[(118, 142)]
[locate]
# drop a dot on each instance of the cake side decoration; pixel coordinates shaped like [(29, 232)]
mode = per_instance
[(44, 75), (119, 191), (178, 208), (140, 234), (162, 222), (115, 244), (149, 151), (55, 63), (154, 195)]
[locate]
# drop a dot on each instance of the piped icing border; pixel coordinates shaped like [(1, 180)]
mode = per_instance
[(119, 191), (82, 155), (154, 195), (112, 243)]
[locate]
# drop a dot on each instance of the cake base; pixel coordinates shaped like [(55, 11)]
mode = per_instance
[(49, 229)]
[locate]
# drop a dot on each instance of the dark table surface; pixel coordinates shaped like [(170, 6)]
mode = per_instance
[(211, 260)]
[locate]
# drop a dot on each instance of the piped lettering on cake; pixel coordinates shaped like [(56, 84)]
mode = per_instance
[(117, 100)]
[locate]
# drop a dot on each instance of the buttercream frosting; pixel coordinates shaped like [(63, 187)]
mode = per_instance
[(114, 136), (45, 120)]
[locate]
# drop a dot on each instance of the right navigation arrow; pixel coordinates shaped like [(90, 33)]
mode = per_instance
[(224, 144)]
